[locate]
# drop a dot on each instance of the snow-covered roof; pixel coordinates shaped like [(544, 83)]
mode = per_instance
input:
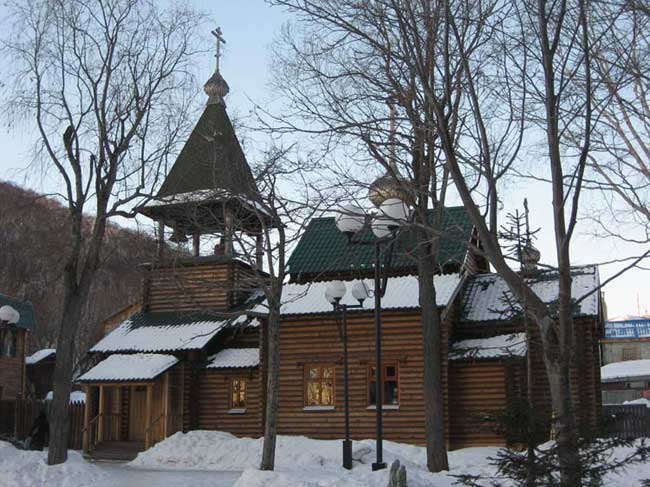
[(165, 332), (9, 314), (500, 346), (234, 358), (487, 296), (75, 396), (638, 328), (204, 195), (40, 355), (625, 370), (134, 367), (401, 293)]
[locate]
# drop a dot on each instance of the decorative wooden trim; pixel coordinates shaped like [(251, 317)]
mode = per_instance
[(395, 364), (231, 380), (306, 380)]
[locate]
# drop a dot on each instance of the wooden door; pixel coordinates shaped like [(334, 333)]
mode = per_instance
[(137, 413)]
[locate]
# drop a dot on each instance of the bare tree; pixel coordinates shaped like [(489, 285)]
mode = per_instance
[(451, 63), (284, 220), (340, 66), (621, 152), (549, 46), (106, 84)]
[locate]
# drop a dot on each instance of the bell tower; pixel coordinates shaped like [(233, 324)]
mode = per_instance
[(209, 191)]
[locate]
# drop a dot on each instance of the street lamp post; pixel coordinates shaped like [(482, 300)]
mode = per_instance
[(393, 213), (334, 293)]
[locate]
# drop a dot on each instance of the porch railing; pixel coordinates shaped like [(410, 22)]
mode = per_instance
[(148, 430), (104, 426)]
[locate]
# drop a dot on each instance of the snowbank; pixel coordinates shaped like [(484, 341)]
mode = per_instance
[(20, 468), (303, 462), (216, 450)]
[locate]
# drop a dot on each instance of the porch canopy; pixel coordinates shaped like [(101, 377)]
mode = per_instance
[(137, 367), (128, 400)]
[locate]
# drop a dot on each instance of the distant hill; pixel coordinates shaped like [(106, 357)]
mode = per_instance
[(33, 248)]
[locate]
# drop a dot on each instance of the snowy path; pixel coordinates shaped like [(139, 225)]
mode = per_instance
[(120, 475)]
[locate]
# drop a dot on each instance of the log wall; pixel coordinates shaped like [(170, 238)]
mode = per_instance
[(189, 288), (315, 340), (214, 412)]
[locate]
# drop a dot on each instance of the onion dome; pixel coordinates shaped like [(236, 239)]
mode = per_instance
[(529, 257), (389, 186), (216, 88)]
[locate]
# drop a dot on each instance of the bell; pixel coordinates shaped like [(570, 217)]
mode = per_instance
[(178, 236)]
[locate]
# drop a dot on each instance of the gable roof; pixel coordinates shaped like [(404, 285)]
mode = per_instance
[(401, 293), (134, 367), (166, 332), (25, 308), (495, 347), (323, 249), (211, 159), (40, 355), (486, 295), (628, 329), (235, 358)]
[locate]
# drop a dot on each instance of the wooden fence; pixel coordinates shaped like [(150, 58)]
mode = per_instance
[(17, 417), (626, 421)]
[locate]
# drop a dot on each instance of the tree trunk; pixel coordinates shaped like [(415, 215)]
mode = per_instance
[(434, 407), (63, 370), (272, 388), (558, 372)]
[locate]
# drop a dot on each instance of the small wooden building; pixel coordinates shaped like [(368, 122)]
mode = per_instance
[(17, 320)]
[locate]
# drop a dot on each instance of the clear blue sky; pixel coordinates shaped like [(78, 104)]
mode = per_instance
[(249, 26)]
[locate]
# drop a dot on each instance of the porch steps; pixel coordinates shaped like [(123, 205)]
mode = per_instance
[(116, 451)]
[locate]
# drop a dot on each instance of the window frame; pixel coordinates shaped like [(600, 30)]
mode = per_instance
[(370, 379), (231, 383), (306, 380)]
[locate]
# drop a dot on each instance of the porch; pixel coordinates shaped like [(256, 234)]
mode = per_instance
[(126, 414)]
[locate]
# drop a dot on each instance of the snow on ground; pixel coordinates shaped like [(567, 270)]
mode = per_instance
[(216, 459), (304, 462), (19, 468)]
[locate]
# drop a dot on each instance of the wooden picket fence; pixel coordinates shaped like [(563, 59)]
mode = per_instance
[(17, 417), (626, 421)]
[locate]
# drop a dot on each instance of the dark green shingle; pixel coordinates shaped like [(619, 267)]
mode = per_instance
[(211, 159), (324, 250)]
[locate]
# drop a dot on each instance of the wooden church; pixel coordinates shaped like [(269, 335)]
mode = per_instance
[(193, 356)]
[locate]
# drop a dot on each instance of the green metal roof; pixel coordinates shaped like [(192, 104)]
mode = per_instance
[(323, 250), (25, 308)]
